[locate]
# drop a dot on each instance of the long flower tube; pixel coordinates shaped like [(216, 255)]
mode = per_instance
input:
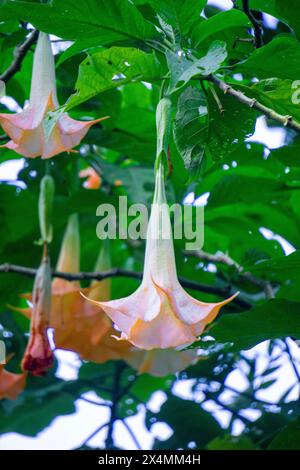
[(160, 314), (38, 356), (28, 130)]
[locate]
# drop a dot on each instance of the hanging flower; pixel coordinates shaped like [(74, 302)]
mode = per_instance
[(28, 129), (38, 356), (80, 327), (77, 324), (160, 314), (11, 384)]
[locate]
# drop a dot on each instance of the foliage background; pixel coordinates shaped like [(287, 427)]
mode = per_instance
[(229, 400)]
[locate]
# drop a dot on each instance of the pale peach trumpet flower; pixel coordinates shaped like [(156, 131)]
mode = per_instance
[(28, 129), (80, 327), (160, 314)]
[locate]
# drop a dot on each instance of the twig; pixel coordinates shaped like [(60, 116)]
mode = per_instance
[(132, 435), (248, 395), (257, 27), (109, 441), (223, 258), (235, 413), (116, 272), (19, 55), (94, 433), (286, 121), (216, 98), (92, 402)]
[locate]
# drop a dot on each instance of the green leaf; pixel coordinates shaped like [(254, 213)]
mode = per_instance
[(34, 414), (218, 23), (230, 127), (288, 438), (182, 69), (280, 268), (111, 68), (107, 21), (189, 422), (275, 319), (191, 127), (228, 442), (235, 188), (280, 58), (81, 45), (183, 15)]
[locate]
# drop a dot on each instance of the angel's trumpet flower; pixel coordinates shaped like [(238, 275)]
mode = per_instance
[(38, 356), (160, 314), (11, 384), (80, 327), (28, 129)]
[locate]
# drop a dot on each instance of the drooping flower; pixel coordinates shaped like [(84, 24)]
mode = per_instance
[(28, 129), (79, 326), (160, 314), (38, 356), (11, 384)]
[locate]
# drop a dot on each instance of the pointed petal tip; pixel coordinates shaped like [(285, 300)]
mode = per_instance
[(90, 300)]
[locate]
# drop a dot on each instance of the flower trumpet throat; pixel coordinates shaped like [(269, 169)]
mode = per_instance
[(38, 356), (31, 135), (160, 314)]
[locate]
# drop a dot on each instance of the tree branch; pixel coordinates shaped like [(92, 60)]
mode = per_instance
[(116, 272), (19, 55), (109, 441), (286, 121), (257, 27), (223, 258)]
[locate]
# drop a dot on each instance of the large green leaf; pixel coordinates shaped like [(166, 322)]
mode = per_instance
[(111, 68), (219, 23), (275, 319), (191, 127), (228, 128), (189, 422), (34, 414), (235, 188), (280, 58), (288, 438), (280, 269), (108, 21), (182, 68), (182, 15), (229, 442)]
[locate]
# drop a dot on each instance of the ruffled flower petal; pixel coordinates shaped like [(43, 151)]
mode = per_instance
[(27, 129)]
